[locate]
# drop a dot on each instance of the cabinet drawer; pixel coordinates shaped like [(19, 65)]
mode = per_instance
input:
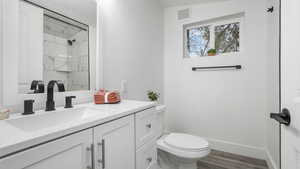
[(146, 156), (146, 123)]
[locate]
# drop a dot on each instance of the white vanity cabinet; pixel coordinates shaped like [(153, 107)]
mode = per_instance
[(124, 143), (71, 152), (147, 132), (115, 145), (110, 146)]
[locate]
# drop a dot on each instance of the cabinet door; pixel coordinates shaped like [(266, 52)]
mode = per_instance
[(71, 152), (146, 156), (115, 145)]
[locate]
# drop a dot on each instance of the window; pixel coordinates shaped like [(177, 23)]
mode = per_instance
[(227, 38), (198, 41), (221, 36)]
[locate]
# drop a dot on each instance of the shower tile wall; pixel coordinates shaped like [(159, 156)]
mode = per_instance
[(54, 47), (79, 77), (65, 62)]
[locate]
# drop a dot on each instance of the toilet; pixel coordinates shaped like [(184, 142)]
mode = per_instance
[(183, 149)]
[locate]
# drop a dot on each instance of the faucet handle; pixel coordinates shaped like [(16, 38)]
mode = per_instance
[(37, 86), (34, 84), (69, 101), (28, 107), (61, 86)]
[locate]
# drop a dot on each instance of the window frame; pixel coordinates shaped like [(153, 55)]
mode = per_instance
[(212, 26)]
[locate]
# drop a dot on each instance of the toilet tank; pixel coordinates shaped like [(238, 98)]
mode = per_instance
[(160, 111)]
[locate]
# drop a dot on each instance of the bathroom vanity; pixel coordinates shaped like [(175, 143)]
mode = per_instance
[(42, 42), (86, 136)]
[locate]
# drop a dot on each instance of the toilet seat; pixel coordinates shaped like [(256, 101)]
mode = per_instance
[(186, 142), (184, 145)]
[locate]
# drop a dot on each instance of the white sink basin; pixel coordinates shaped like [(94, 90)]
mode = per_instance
[(45, 120)]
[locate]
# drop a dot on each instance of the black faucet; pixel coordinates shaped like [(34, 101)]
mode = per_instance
[(37, 86), (50, 104)]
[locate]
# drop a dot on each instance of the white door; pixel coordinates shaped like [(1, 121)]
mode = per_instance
[(290, 83), (71, 152), (115, 144)]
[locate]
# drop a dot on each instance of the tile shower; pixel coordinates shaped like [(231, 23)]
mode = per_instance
[(66, 52)]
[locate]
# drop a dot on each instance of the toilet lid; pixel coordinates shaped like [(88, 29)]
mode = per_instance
[(186, 142)]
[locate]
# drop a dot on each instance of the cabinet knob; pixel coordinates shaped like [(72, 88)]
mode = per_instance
[(88, 149), (89, 167)]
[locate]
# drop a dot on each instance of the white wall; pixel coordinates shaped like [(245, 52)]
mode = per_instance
[(169, 3), (273, 133), (133, 45), (227, 107), (30, 61), (10, 55), (94, 62), (1, 54)]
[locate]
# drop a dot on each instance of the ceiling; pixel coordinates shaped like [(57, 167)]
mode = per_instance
[(86, 12), (169, 3), (59, 29), (83, 10)]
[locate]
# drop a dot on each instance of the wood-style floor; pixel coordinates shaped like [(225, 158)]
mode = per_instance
[(223, 160)]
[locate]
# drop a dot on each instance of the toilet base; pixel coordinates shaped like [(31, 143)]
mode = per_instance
[(188, 166), (169, 161)]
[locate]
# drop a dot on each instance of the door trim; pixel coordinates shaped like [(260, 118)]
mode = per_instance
[(280, 78)]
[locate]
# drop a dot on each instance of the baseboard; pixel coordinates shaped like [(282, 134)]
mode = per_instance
[(245, 150), (270, 161), (240, 149)]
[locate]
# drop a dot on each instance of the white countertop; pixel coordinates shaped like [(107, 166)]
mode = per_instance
[(13, 139)]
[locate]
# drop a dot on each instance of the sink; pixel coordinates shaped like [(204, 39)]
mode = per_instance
[(45, 120)]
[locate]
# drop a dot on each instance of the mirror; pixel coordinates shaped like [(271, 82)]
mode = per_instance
[(57, 41)]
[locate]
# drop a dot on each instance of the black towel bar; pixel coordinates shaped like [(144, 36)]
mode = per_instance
[(217, 67)]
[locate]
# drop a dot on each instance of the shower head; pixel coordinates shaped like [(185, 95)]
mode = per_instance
[(70, 42)]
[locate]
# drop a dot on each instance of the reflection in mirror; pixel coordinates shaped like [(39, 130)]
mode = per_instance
[(52, 47), (66, 51)]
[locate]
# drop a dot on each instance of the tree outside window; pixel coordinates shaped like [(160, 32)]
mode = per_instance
[(198, 41), (225, 38)]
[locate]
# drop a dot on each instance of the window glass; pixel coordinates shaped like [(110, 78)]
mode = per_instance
[(227, 38), (212, 38), (198, 41)]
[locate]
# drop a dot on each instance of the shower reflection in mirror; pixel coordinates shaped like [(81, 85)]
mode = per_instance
[(52, 47)]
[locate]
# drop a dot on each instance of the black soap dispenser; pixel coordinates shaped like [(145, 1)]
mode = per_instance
[(28, 107)]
